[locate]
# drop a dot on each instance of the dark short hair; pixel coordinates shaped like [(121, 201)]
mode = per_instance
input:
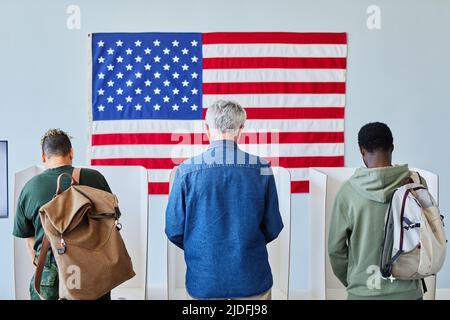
[(375, 136), (56, 142)]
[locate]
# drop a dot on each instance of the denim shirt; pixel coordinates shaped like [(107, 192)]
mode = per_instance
[(223, 211)]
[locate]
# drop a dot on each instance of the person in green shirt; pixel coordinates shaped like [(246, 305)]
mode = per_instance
[(57, 155), (358, 218)]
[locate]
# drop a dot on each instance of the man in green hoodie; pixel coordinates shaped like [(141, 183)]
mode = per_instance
[(358, 218)]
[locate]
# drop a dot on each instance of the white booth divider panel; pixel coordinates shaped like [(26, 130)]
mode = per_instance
[(324, 185), (279, 250), (130, 184)]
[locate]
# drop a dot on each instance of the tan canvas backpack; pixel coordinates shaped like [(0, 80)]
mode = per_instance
[(82, 227)]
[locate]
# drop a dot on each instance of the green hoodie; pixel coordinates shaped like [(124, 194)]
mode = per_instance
[(356, 234)]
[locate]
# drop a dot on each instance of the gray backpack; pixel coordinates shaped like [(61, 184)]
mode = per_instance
[(414, 245)]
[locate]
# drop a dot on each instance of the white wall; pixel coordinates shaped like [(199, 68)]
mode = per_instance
[(398, 74)]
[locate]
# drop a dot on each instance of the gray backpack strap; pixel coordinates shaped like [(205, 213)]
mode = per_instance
[(416, 177)]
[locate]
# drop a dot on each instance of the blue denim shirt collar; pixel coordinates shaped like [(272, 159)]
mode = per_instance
[(229, 144)]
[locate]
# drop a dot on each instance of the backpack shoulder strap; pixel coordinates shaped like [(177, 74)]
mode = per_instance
[(76, 175), (416, 177), (46, 243), (40, 265)]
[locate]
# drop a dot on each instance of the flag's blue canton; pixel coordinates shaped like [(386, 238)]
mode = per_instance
[(146, 76)]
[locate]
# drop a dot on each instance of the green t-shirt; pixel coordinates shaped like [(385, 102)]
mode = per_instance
[(40, 190)]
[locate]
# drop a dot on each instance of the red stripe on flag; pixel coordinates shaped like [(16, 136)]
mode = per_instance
[(274, 62), (273, 87), (148, 163), (274, 37), (163, 187), (292, 137), (299, 186), (148, 138), (306, 162), (293, 113), (158, 188), (169, 163), (198, 138)]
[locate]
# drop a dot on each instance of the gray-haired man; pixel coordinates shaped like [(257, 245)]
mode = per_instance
[(223, 211)]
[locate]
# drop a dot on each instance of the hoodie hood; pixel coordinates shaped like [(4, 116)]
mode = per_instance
[(378, 184)]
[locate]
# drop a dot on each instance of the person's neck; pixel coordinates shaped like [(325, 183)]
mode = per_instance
[(224, 137), (378, 161), (58, 162)]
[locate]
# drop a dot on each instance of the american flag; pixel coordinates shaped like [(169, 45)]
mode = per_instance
[(150, 91)]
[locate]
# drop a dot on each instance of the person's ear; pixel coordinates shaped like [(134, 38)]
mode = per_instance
[(363, 151), (71, 154), (44, 158), (363, 155), (208, 133), (392, 148), (239, 134)]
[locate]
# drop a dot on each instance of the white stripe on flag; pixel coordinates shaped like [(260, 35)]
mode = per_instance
[(279, 100), (274, 50), (158, 175), (188, 150), (273, 75), (181, 126)]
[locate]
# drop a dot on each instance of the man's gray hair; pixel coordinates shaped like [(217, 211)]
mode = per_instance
[(225, 115)]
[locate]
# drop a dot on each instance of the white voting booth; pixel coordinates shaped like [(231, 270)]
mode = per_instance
[(324, 184), (279, 250), (130, 184)]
